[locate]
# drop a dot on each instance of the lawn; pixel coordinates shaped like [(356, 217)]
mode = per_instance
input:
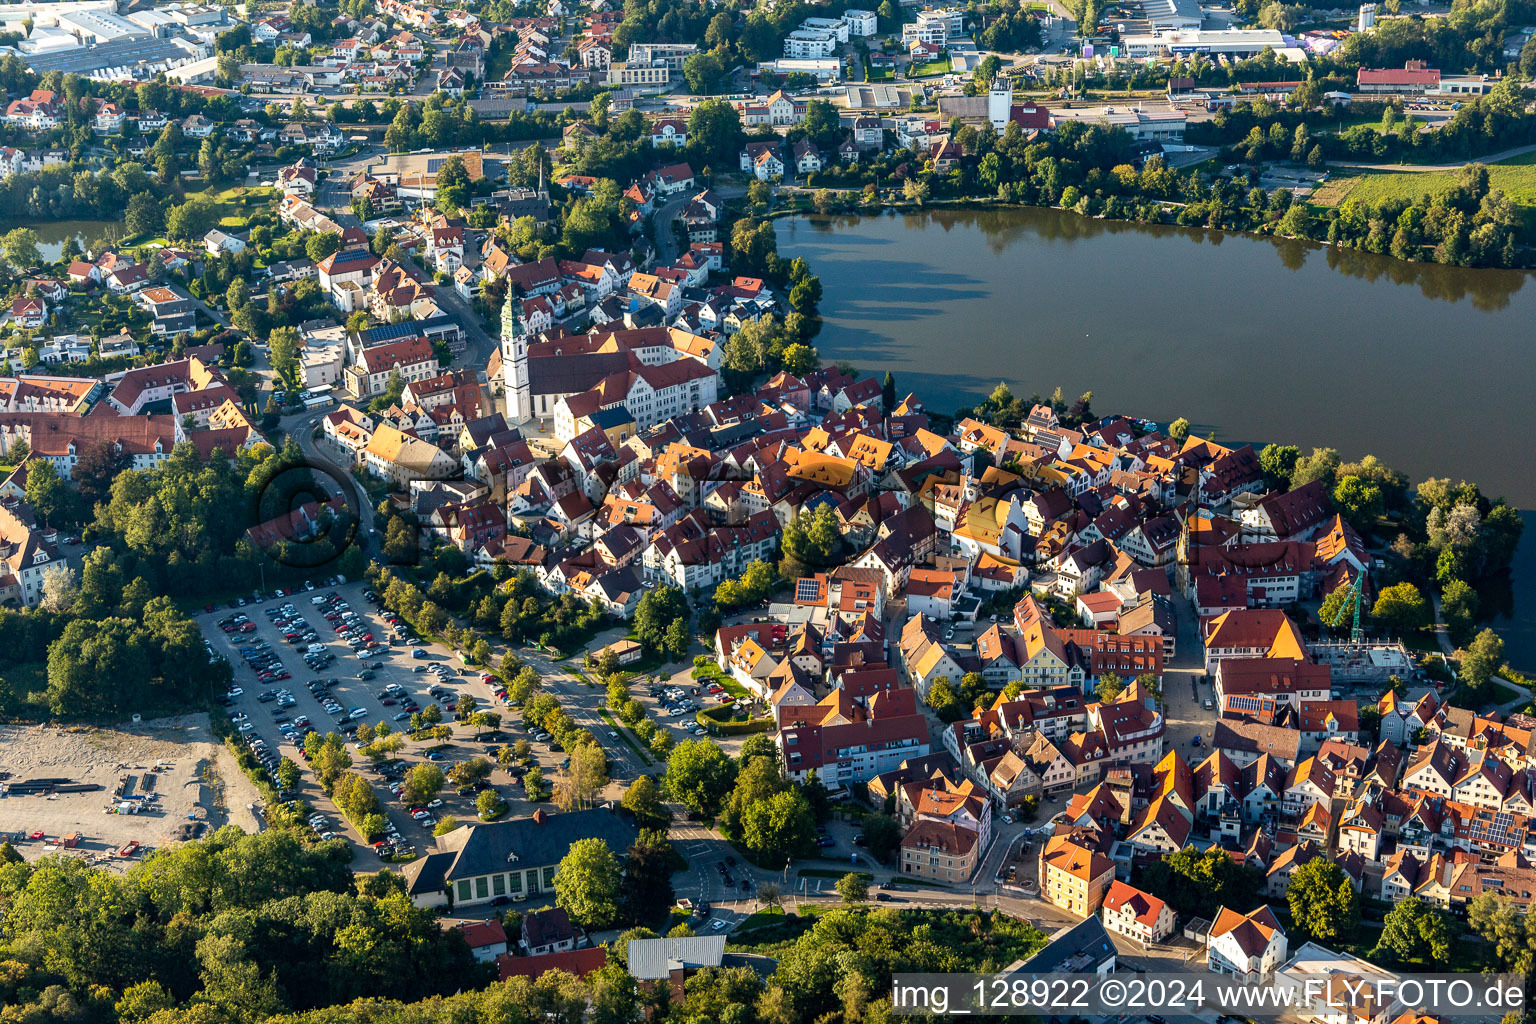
[(235, 205), (1516, 177), (942, 66)]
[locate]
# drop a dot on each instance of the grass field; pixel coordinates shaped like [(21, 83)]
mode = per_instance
[(942, 66), (1517, 177)]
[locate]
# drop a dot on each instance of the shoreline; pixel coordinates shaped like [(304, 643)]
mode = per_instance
[(968, 203)]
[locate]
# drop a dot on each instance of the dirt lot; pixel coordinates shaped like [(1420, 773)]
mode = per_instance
[(197, 784)]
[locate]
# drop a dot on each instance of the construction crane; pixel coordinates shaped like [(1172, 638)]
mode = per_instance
[(1353, 598)]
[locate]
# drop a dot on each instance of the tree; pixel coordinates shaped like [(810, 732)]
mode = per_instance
[(284, 346), (677, 639), (321, 244), (580, 784), (1402, 607), (703, 72), (800, 359), (1508, 927), (1359, 501), (1198, 884), (21, 249), (1110, 687), (60, 588), (657, 610), (888, 393), (1179, 429), (1322, 464), (47, 492), (882, 835), (646, 893), (447, 823), (144, 215), (643, 800), (587, 884), (1323, 903), (698, 776), (942, 698), (422, 783), (1278, 461), (714, 130), (915, 190), (778, 828), (1414, 931), (489, 805), (852, 888), (1482, 659), (1458, 606)]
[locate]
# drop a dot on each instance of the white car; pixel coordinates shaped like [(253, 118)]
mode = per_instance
[(435, 804), (717, 925)]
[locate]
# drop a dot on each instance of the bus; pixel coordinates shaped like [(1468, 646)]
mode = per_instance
[(316, 398)]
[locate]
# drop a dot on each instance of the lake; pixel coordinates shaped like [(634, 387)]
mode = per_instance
[(51, 234), (1253, 340)]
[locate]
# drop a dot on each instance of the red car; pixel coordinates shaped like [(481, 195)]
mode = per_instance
[(36, 835), (248, 627)]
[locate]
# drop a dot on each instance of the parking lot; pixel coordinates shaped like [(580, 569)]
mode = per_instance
[(349, 680)]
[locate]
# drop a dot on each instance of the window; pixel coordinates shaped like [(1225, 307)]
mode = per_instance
[(482, 888), (499, 884), (549, 877), (464, 889), (515, 882)]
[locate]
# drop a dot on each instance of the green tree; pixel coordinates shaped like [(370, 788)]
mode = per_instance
[(422, 783), (941, 697), (587, 884), (800, 359), (47, 492), (1324, 905), (284, 346), (1481, 660), (1200, 883), (1278, 461), (144, 215), (852, 888), (1179, 429), (1401, 607), (703, 72), (778, 828), (677, 639), (1413, 931), (1508, 927), (21, 249), (1110, 686), (1322, 464), (643, 800), (657, 610), (1458, 606), (1359, 501), (699, 775)]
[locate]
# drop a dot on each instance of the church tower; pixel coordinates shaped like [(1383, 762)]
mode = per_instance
[(514, 363)]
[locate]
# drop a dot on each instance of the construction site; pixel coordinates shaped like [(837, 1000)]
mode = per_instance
[(110, 796)]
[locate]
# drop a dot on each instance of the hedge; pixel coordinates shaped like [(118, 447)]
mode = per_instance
[(731, 728)]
